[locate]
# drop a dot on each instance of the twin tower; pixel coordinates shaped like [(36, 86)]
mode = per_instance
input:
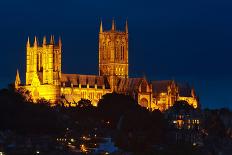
[(43, 62)]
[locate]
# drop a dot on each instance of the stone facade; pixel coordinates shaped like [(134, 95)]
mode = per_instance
[(113, 54), (44, 78)]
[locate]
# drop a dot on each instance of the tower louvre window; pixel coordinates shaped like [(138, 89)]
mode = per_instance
[(123, 52), (115, 52)]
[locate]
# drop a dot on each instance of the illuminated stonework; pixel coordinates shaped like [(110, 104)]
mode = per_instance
[(113, 54), (166, 92), (44, 78)]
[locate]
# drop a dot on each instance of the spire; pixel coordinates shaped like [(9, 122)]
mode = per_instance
[(28, 42), (113, 25), (17, 79), (101, 27), (193, 92), (44, 40), (35, 42), (60, 41), (52, 40), (126, 28)]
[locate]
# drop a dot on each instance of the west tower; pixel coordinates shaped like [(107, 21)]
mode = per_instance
[(113, 54), (43, 69), (43, 61)]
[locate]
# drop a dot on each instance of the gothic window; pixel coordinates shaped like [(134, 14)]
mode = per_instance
[(121, 57), (38, 62), (41, 62), (54, 62), (104, 51), (143, 87), (144, 102), (123, 52), (104, 46), (108, 50), (115, 52)]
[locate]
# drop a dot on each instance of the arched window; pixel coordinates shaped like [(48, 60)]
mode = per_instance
[(121, 56), (116, 53), (123, 53), (108, 50), (104, 54), (144, 87), (144, 102)]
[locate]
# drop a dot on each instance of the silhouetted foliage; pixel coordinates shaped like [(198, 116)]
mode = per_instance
[(181, 105), (20, 115), (137, 127), (84, 103), (213, 124), (112, 106)]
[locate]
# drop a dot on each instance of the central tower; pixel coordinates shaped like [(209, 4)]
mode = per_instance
[(113, 54)]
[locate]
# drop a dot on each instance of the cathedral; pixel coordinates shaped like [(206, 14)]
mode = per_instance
[(46, 80)]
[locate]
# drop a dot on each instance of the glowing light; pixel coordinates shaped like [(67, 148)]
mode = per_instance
[(83, 148), (85, 138)]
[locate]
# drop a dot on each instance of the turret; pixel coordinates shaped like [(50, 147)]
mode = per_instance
[(113, 26), (44, 40), (101, 27), (126, 27), (35, 42), (60, 42), (193, 93), (17, 80), (28, 42), (52, 42)]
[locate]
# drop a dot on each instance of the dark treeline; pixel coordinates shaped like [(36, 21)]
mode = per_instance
[(25, 117), (132, 127)]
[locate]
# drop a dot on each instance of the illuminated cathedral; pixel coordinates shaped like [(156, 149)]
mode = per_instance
[(46, 80)]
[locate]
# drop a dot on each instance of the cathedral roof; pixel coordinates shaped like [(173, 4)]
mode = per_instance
[(77, 79), (129, 84), (161, 86), (185, 90)]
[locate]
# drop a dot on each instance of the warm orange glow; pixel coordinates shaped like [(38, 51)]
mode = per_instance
[(83, 148), (45, 80)]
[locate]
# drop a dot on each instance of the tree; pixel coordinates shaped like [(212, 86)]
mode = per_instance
[(182, 105), (20, 115), (113, 106), (84, 103)]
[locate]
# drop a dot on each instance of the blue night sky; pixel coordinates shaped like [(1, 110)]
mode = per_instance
[(185, 40)]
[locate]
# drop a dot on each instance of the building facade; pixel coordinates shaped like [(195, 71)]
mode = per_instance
[(45, 79), (184, 124)]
